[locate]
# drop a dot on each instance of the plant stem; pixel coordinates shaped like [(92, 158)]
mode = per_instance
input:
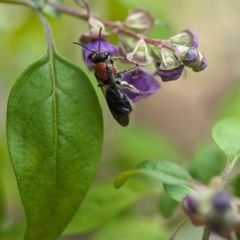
[(47, 30), (178, 228), (115, 26), (22, 2), (227, 171)]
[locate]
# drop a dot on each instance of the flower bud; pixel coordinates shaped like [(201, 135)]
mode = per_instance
[(201, 66), (169, 68), (140, 54), (217, 209), (168, 60), (140, 20), (191, 57), (169, 75), (186, 38)]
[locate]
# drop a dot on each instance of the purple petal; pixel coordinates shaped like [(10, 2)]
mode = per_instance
[(144, 82), (194, 37), (105, 46), (169, 75)]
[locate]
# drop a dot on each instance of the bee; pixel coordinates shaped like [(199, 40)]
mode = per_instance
[(111, 83)]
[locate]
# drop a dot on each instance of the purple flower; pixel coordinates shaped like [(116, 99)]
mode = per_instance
[(173, 74), (105, 46), (144, 82)]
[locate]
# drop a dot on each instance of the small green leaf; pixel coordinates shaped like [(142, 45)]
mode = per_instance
[(133, 229), (208, 162), (166, 205), (178, 192), (226, 134), (164, 171), (54, 131), (103, 202)]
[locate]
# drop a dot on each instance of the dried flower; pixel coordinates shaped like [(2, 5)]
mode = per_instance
[(186, 38), (94, 28), (140, 54), (140, 20)]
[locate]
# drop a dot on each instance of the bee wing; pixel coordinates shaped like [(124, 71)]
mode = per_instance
[(118, 103), (119, 107)]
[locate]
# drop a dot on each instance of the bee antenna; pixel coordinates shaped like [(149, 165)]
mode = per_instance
[(84, 47), (99, 39)]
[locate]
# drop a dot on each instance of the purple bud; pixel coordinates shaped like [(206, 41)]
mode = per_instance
[(221, 201), (190, 204), (169, 75), (201, 66), (190, 57), (105, 46), (144, 82)]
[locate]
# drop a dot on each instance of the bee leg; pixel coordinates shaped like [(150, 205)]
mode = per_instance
[(117, 57), (127, 70), (124, 85)]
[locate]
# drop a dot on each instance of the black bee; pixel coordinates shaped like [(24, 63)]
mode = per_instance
[(110, 82)]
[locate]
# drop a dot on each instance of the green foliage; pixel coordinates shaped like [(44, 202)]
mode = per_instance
[(164, 171), (226, 134), (166, 205), (54, 130), (134, 229), (208, 162), (144, 144), (178, 192), (105, 201), (235, 183), (13, 232)]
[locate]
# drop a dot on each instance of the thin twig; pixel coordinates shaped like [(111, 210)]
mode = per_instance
[(178, 228), (115, 26)]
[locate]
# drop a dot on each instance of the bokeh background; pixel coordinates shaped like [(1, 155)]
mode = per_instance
[(171, 125)]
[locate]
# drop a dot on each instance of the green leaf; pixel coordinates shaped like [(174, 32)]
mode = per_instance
[(226, 134), (166, 205), (133, 229), (178, 192), (164, 171), (54, 131), (208, 162), (103, 202)]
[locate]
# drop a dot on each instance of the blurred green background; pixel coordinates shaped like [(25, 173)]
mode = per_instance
[(171, 125)]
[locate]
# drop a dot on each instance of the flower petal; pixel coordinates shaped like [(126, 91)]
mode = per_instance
[(169, 75), (144, 82), (105, 46)]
